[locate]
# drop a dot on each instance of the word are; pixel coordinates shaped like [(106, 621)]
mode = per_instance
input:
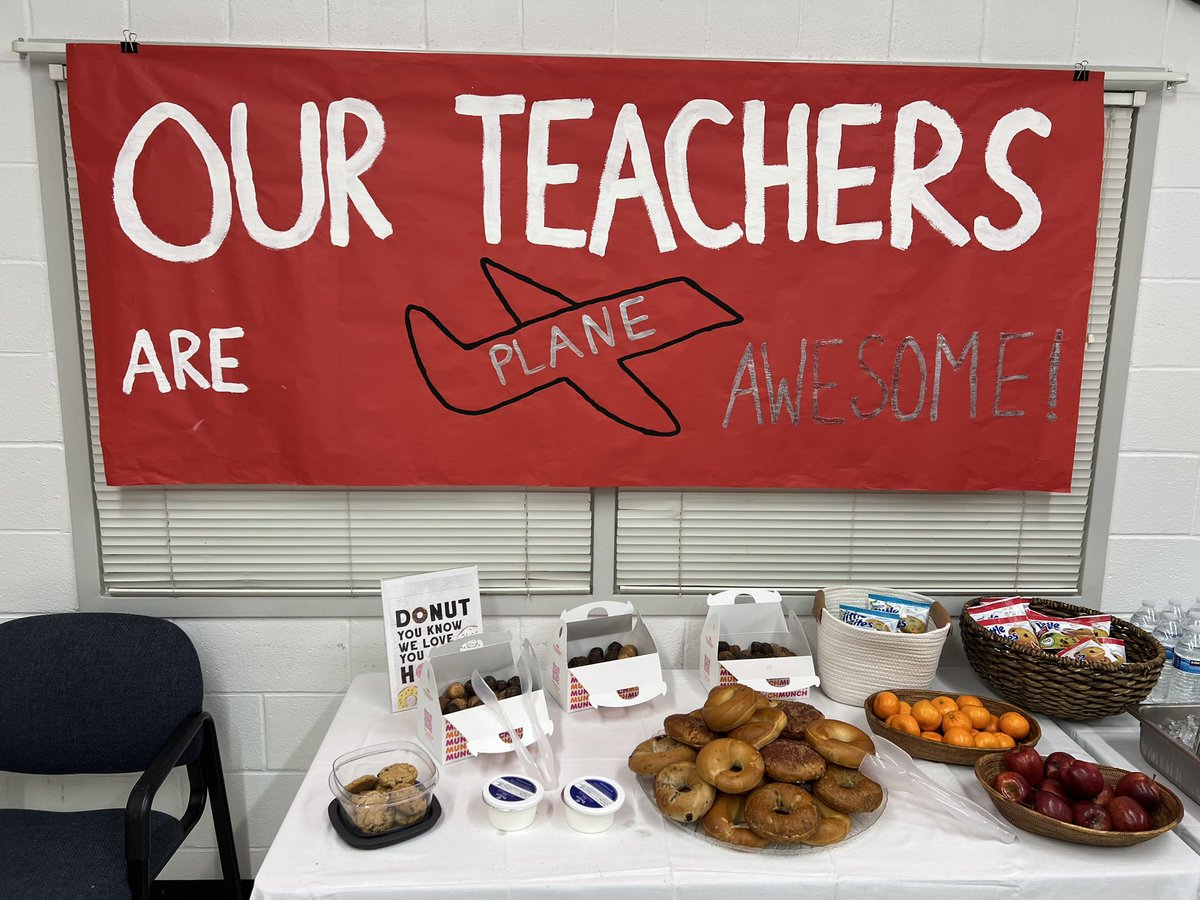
[(342, 173), (183, 345), (557, 340), (910, 187), (815, 394)]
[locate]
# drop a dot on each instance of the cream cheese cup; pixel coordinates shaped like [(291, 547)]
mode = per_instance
[(512, 801), (592, 803)]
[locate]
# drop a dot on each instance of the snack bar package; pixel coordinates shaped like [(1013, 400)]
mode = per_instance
[(914, 614), (871, 619), (1058, 634), (1088, 650), (1013, 628), (1114, 647)]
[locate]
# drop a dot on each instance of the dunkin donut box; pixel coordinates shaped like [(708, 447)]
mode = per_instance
[(620, 682), (470, 732), (743, 616)]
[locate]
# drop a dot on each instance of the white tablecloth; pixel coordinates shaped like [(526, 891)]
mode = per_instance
[(909, 852)]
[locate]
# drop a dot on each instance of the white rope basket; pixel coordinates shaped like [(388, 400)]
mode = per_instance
[(854, 663)]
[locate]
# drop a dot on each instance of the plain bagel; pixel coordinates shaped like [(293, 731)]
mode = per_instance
[(839, 742), (733, 767), (653, 755), (728, 706)]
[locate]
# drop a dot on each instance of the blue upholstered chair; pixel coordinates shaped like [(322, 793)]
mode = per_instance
[(104, 693)]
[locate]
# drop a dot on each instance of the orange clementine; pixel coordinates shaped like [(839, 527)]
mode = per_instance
[(944, 704), (979, 716), (1015, 725), (956, 718), (985, 741), (905, 723), (993, 724), (932, 735), (905, 709), (1004, 741), (957, 737), (928, 715), (968, 700), (886, 704)]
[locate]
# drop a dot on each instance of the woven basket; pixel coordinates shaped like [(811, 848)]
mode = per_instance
[(921, 748), (1162, 820), (854, 663), (1066, 688)]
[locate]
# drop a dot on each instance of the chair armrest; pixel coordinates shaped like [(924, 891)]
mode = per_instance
[(141, 798)]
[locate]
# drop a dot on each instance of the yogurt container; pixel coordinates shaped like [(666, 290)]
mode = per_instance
[(592, 803), (512, 801)]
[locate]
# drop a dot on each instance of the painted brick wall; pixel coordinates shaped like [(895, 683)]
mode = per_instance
[(274, 684)]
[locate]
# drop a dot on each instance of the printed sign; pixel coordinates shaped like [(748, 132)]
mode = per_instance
[(321, 267), (424, 611)]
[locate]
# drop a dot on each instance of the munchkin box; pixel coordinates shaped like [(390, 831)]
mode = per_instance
[(456, 734), (743, 638), (603, 655)]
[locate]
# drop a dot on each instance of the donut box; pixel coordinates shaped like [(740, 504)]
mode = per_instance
[(619, 682), (470, 732), (744, 616)]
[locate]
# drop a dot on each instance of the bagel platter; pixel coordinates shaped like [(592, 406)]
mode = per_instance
[(760, 775)]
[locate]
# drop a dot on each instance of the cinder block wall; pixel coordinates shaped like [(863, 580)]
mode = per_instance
[(274, 684)]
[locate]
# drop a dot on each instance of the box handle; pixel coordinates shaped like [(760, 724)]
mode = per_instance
[(602, 608), (632, 695), (731, 597)]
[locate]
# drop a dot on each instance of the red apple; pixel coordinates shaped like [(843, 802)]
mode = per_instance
[(1026, 762), (1082, 779), (1128, 815), (1140, 787), (1053, 786), (1013, 786), (1105, 796), (1056, 762), (1052, 805), (1089, 814)]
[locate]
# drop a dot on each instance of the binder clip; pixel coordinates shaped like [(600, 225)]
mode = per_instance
[(1081, 71), (129, 42)]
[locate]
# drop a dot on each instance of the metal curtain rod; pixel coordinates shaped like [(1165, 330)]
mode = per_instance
[(1113, 76)]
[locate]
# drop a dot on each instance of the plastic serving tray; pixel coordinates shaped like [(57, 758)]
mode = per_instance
[(1174, 759)]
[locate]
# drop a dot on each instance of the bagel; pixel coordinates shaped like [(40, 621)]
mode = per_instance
[(733, 767), (782, 812), (839, 742), (688, 730), (792, 761), (847, 790), (726, 821), (653, 755), (681, 794), (728, 706), (800, 716), (834, 826), (765, 724)]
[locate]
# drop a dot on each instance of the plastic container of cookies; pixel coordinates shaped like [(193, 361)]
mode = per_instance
[(384, 787)]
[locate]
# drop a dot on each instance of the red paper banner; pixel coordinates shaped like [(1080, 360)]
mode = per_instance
[(311, 267)]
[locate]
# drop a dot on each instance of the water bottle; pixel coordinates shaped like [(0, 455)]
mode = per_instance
[(1146, 617), (1166, 633), (1185, 680)]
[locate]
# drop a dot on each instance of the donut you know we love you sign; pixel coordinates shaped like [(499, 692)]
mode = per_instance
[(353, 268), (421, 612)]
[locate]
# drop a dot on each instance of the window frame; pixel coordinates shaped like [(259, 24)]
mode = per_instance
[(46, 69)]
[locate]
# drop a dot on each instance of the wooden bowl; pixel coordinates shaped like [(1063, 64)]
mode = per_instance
[(921, 748), (1164, 818)]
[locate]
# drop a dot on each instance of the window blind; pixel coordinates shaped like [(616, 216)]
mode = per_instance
[(315, 541), (692, 541)]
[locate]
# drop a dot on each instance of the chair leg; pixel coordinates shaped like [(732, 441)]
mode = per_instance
[(222, 822), (139, 879)]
